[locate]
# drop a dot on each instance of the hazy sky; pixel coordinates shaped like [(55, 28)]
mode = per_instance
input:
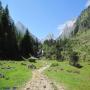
[(44, 16)]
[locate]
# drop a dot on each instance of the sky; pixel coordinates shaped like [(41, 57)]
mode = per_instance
[(43, 17)]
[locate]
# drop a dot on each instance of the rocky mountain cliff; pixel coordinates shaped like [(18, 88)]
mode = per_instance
[(68, 28)]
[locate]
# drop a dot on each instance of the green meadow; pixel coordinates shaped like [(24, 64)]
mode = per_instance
[(70, 77), (16, 73)]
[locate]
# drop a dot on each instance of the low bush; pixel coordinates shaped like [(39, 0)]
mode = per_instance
[(54, 64)]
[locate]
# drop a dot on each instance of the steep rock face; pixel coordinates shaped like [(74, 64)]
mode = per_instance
[(67, 29), (82, 23)]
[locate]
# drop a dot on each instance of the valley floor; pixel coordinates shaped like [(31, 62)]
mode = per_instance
[(49, 75)]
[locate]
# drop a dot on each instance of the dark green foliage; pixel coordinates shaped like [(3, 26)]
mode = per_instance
[(49, 48), (60, 46), (8, 42), (76, 30), (12, 44), (29, 46), (58, 51), (74, 58), (36, 47), (26, 45), (54, 65), (55, 49)]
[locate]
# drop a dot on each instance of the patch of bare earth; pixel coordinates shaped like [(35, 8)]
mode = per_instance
[(41, 82)]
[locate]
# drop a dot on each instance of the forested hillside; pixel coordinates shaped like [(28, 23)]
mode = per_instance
[(14, 45), (81, 38), (79, 42)]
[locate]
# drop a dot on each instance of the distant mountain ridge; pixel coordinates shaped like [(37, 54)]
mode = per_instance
[(74, 26), (21, 29), (67, 29)]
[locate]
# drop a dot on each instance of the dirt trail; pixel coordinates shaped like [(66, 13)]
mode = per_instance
[(40, 82)]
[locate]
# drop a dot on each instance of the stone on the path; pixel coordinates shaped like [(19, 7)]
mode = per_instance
[(14, 88), (27, 88), (44, 86)]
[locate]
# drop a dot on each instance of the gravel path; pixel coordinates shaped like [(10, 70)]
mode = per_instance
[(40, 82)]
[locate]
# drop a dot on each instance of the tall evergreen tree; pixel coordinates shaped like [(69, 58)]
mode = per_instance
[(26, 45), (8, 37), (36, 47)]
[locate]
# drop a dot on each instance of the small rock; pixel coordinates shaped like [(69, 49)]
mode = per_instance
[(27, 88), (52, 83), (14, 88), (44, 86)]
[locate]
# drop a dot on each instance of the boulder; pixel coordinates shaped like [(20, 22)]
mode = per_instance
[(31, 66)]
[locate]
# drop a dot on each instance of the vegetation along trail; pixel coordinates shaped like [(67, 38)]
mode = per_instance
[(41, 82)]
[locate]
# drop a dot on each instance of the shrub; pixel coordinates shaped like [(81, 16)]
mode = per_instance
[(54, 64), (74, 58)]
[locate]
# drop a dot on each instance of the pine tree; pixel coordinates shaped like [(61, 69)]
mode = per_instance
[(8, 37), (26, 45)]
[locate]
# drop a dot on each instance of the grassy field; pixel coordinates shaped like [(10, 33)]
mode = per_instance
[(15, 74), (72, 78)]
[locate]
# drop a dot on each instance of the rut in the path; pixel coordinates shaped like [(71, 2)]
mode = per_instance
[(40, 82)]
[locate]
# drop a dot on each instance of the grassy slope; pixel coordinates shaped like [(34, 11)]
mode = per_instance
[(74, 81), (81, 43), (17, 76), (69, 76)]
